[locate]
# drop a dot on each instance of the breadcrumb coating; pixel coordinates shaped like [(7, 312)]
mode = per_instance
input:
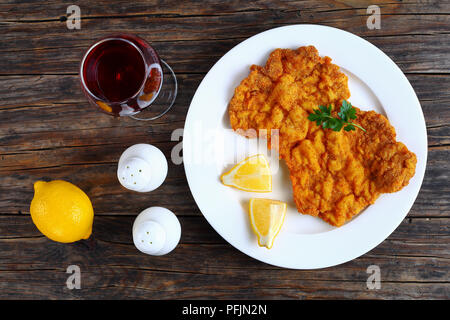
[(334, 175)]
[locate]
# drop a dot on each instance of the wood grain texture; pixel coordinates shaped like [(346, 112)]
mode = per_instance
[(198, 56), (48, 131), (111, 261)]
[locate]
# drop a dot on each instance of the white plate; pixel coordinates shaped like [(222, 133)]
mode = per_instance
[(209, 148)]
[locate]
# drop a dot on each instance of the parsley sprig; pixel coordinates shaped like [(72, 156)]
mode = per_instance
[(322, 116)]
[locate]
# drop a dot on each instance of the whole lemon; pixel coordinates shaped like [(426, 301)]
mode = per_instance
[(61, 211)]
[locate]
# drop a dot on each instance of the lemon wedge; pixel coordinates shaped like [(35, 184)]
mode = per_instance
[(252, 174), (266, 217)]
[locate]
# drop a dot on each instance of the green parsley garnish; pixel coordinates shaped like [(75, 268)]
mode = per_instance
[(322, 116)]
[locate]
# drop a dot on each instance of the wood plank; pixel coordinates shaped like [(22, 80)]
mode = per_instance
[(235, 25), (111, 244), (99, 181), (65, 134), (81, 166), (60, 100), (438, 136), (198, 56), (151, 285), (24, 10), (196, 230), (432, 100), (107, 283), (414, 262)]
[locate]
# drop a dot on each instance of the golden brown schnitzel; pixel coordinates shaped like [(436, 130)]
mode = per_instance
[(334, 175)]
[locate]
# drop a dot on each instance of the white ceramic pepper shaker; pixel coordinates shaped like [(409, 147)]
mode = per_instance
[(142, 168), (156, 231)]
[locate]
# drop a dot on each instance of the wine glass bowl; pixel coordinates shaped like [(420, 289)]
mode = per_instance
[(122, 75)]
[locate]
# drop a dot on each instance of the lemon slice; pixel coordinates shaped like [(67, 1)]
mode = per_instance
[(266, 218), (252, 174)]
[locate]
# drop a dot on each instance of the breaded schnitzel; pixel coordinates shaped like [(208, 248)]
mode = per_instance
[(283, 93), (334, 175)]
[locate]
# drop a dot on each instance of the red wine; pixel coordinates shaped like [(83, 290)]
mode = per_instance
[(122, 78)]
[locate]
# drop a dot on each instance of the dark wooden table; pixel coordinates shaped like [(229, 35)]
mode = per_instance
[(48, 131)]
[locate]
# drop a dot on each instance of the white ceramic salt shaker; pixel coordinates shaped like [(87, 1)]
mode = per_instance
[(142, 168), (156, 231)]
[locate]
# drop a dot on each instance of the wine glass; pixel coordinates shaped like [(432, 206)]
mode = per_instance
[(122, 75)]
